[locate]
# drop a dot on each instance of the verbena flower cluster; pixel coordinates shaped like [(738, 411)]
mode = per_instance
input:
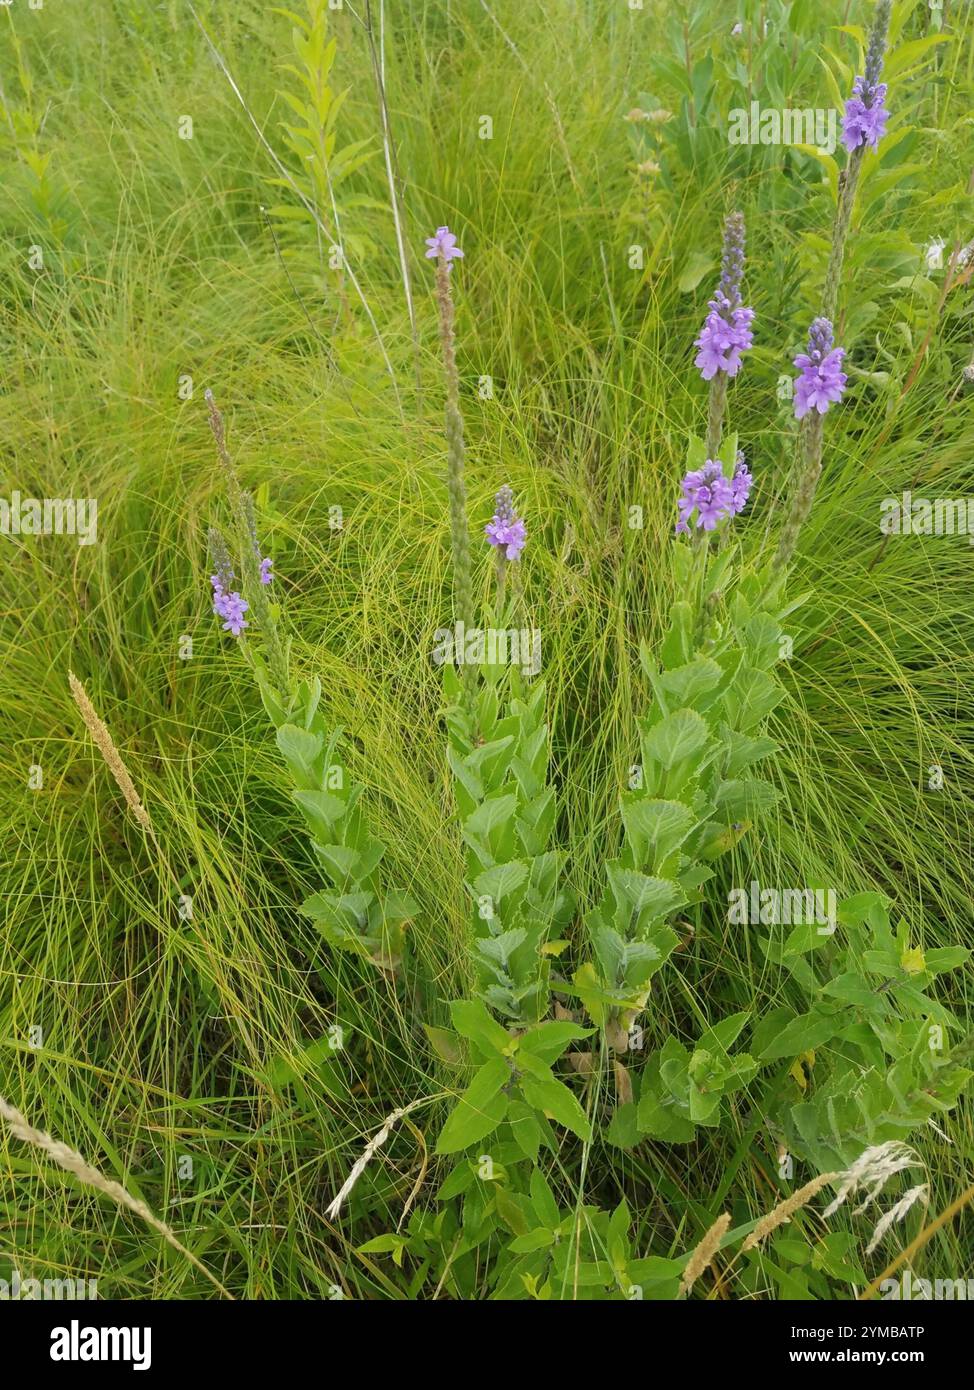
[(443, 243), (506, 530), (228, 604), (821, 381), (865, 117), (864, 122), (710, 495), (726, 333)]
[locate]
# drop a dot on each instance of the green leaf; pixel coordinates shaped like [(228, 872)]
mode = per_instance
[(677, 737), (543, 1200), (491, 813), (687, 683), (322, 809), (548, 1094), (722, 1036), (638, 894), (655, 828), (299, 746), (696, 266), (802, 1034), (479, 1110), (525, 1128), (443, 1043), (500, 880), (547, 1041), (472, 1020)]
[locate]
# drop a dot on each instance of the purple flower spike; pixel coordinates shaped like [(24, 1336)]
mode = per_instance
[(232, 607), (443, 243), (727, 329), (822, 380), (732, 260), (506, 530), (265, 570), (864, 122), (865, 113), (706, 492)]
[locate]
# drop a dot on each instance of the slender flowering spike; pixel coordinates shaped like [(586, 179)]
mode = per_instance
[(865, 114), (822, 380), (506, 530), (864, 124), (228, 603), (222, 578), (443, 243), (732, 260), (443, 248), (726, 332)]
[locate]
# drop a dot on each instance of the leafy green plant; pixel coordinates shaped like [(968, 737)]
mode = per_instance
[(321, 166)]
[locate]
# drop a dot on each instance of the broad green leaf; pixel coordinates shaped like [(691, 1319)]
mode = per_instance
[(677, 737), (803, 1034), (655, 828), (551, 1096), (547, 1041), (479, 1110), (472, 1020)]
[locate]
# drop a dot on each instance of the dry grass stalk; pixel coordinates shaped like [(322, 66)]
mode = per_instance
[(702, 1257), (368, 1153), (784, 1211), (106, 746), (73, 1162)]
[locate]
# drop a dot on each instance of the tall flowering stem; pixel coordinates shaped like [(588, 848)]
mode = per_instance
[(227, 602), (726, 333), (820, 384), (443, 249), (864, 124)]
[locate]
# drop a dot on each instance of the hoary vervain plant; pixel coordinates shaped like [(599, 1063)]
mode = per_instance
[(355, 912)]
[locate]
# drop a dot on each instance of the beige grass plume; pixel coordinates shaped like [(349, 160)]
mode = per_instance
[(784, 1211), (702, 1257), (73, 1162), (106, 746)]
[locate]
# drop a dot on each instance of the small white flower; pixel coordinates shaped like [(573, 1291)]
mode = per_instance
[(935, 254), (737, 29)]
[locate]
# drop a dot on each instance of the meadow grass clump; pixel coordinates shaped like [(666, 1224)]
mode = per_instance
[(541, 858)]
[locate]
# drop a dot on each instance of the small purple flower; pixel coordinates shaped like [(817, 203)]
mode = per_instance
[(864, 122), (265, 570), (443, 243), (506, 530), (740, 485), (708, 493), (726, 332), (232, 607), (822, 380)]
